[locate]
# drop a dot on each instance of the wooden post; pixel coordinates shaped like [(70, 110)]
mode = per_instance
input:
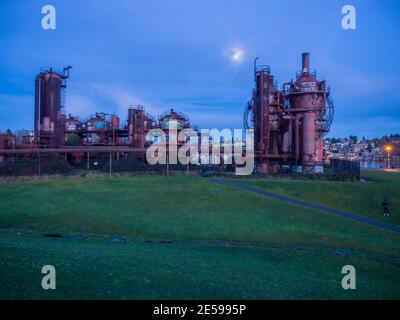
[(88, 161)]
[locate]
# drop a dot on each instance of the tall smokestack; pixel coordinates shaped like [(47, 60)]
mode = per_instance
[(305, 62)]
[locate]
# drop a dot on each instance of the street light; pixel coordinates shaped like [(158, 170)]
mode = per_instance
[(388, 148)]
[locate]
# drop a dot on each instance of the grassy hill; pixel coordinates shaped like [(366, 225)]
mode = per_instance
[(181, 237), (363, 198)]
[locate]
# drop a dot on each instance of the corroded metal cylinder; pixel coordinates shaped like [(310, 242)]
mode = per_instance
[(305, 65), (115, 122), (309, 139), (260, 103), (136, 122), (3, 143), (48, 117), (307, 99)]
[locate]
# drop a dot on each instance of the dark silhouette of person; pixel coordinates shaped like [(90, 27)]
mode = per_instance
[(385, 205)]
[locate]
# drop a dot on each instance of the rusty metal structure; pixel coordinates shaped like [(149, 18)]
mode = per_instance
[(105, 129), (50, 87), (56, 133), (289, 124), (136, 125), (6, 143), (52, 129), (173, 120)]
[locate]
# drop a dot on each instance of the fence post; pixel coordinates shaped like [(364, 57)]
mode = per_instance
[(167, 164), (39, 170), (110, 173)]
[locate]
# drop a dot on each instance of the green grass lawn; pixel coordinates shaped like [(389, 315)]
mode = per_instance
[(354, 197), (222, 243)]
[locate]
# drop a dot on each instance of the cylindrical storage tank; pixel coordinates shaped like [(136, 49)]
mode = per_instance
[(287, 134), (72, 124), (48, 118), (309, 139), (3, 141), (2, 147), (297, 136), (140, 129), (136, 119), (307, 101), (115, 122), (263, 96), (320, 150), (148, 123), (260, 100)]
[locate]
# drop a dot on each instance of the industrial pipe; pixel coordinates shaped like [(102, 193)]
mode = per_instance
[(297, 135), (309, 137), (305, 62), (37, 108), (261, 146)]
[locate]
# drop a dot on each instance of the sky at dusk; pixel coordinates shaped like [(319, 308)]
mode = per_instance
[(181, 54)]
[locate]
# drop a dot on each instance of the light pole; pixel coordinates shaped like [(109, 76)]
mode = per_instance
[(388, 148)]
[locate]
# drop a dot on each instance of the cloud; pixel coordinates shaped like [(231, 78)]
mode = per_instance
[(118, 98), (122, 97), (81, 106)]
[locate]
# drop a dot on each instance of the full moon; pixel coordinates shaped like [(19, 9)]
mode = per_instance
[(237, 55)]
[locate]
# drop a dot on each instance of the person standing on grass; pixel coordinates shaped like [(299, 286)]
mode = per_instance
[(385, 205)]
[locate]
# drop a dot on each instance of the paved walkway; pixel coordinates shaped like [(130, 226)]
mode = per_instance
[(344, 214)]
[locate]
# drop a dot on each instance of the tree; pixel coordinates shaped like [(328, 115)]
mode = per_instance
[(73, 140), (353, 138)]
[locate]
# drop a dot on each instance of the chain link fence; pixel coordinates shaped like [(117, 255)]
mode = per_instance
[(347, 167)]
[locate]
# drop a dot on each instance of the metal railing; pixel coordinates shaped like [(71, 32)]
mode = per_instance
[(312, 73)]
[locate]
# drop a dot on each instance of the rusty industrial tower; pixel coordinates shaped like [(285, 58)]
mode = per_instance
[(289, 124), (50, 87)]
